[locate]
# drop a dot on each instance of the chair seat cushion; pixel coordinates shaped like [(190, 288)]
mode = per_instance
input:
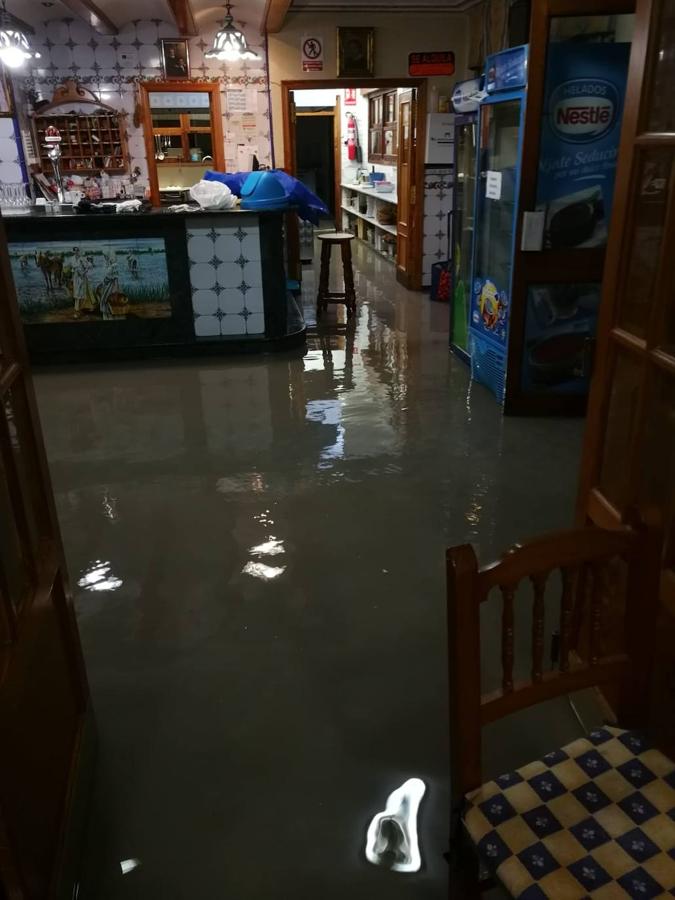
[(594, 819)]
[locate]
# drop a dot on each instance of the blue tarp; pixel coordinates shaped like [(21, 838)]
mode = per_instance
[(308, 206)]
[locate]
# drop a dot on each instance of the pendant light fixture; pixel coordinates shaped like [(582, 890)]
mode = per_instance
[(230, 43), (15, 48)]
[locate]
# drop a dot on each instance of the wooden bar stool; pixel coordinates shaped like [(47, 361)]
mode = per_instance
[(325, 296)]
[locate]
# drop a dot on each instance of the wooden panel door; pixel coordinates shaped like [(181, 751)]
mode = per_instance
[(629, 451), (43, 687), (407, 190)]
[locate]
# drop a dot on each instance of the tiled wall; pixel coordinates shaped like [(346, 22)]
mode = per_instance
[(226, 276), (438, 185), (10, 168), (111, 66)]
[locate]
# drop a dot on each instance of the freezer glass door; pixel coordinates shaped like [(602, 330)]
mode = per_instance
[(495, 217), (465, 189)]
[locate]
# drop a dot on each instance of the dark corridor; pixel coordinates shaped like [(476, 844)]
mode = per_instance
[(315, 163)]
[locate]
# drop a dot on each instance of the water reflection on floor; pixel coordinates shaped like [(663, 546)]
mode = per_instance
[(256, 549)]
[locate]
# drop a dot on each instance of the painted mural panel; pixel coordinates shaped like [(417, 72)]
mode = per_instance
[(91, 280)]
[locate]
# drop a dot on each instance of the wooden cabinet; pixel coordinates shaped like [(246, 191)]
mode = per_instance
[(383, 127), (183, 134), (93, 134)]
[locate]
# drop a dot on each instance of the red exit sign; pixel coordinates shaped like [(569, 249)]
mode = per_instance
[(438, 62)]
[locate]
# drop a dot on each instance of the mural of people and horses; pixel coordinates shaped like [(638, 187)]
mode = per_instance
[(93, 280)]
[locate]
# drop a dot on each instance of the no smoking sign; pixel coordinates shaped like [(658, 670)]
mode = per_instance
[(312, 53)]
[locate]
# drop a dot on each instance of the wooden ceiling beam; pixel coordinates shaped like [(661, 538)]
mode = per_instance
[(275, 15), (183, 17), (89, 11)]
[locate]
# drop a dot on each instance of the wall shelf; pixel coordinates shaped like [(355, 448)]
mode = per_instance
[(91, 132), (382, 233), (390, 229), (371, 192)]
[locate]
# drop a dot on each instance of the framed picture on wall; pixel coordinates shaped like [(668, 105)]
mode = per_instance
[(175, 58), (6, 101), (355, 52)]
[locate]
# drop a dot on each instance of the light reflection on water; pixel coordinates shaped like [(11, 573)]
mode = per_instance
[(271, 547), (260, 570), (391, 840), (99, 577)]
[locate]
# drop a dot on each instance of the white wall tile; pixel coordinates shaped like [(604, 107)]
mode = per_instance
[(229, 275), (200, 249), (231, 301), (207, 326), (255, 324), (254, 300), (253, 273), (203, 276), (233, 325), (205, 303)]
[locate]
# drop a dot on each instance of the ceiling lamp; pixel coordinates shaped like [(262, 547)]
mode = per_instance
[(15, 48), (230, 43)]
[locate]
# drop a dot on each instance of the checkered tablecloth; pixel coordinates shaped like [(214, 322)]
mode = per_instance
[(595, 819)]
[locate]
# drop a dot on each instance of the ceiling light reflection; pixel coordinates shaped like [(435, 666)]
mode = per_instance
[(260, 570), (98, 577), (271, 547), (128, 865), (391, 840)]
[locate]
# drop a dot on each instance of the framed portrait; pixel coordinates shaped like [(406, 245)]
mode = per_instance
[(355, 52), (175, 58), (6, 99)]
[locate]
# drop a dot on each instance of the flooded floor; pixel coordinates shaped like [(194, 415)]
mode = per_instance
[(256, 547)]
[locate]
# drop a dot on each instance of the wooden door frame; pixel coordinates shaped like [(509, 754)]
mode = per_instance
[(587, 264), (287, 87), (153, 87), (591, 504), (50, 587)]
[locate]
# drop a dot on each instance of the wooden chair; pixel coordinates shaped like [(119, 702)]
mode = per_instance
[(537, 829)]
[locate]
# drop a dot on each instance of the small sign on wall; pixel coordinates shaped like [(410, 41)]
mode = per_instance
[(438, 62), (350, 96), (311, 51)]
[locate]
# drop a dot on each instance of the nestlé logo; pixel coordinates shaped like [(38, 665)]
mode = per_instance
[(583, 109)]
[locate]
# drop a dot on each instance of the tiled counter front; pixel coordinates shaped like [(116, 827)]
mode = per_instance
[(226, 276), (151, 284)]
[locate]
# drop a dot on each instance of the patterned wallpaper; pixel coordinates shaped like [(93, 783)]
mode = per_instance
[(10, 168), (111, 66), (438, 199)]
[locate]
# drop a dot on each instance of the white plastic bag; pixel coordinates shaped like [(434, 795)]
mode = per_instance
[(213, 195)]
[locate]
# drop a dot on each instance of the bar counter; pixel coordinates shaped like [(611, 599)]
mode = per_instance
[(130, 285)]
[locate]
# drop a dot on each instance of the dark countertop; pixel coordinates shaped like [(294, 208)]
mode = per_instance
[(67, 212)]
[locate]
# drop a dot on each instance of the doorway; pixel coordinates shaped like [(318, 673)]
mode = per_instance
[(368, 136), (315, 159)]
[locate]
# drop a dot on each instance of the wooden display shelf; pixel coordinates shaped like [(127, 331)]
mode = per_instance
[(389, 197), (387, 228), (390, 229), (85, 135)]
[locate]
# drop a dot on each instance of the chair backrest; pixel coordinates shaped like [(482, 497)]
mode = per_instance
[(584, 558)]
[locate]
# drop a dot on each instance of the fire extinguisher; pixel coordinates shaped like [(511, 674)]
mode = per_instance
[(351, 137)]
